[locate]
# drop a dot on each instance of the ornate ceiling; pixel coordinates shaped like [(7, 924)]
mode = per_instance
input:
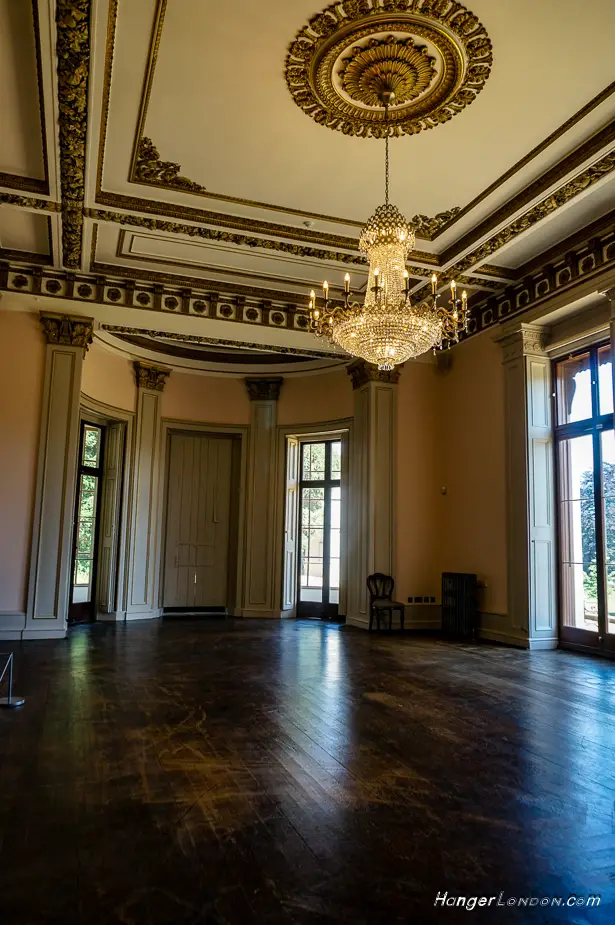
[(194, 169)]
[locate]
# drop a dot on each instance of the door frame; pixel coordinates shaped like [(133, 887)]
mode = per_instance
[(600, 641), (168, 427), (88, 610), (115, 506), (342, 429)]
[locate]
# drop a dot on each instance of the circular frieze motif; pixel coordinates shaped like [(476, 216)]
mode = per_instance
[(84, 290), (252, 314), (277, 318), (226, 311), (114, 295), (20, 282), (53, 286), (434, 55), (142, 298), (199, 306), (171, 303)]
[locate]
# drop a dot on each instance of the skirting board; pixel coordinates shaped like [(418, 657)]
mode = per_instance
[(117, 616), (144, 615), (30, 634), (12, 624)]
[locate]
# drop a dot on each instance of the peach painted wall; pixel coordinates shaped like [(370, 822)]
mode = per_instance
[(312, 399), (22, 360), (418, 571), (471, 463), (109, 378), (211, 399)]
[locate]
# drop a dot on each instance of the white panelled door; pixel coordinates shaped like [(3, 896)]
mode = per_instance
[(198, 521)]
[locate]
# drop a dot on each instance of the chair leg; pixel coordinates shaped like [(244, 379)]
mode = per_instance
[(390, 619), (371, 618), (401, 619), (378, 620)]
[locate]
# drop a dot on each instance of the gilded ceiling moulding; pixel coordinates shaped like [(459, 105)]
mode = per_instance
[(555, 201), (73, 51), (434, 54), (151, 169)]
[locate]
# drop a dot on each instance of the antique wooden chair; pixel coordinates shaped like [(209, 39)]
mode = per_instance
[(381, 601)]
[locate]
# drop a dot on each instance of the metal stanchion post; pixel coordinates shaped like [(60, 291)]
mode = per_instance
[(11, 700)]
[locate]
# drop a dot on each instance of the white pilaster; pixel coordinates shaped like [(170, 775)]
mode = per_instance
[(259, 593), (530, 489), (610, 294), (51, 556), (372, 472), (144, 559)]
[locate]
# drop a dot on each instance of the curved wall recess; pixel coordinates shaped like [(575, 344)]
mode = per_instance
[(434, 54)]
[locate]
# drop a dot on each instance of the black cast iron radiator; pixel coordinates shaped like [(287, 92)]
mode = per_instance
[(459, 607)]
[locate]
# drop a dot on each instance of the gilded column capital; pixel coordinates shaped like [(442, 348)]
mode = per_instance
[(361, 372), (67, 330), (149, 376), (261, 389)]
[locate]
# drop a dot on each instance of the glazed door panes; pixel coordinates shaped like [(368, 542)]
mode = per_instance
[(608, 496), (586, 488), (320, 493), (577, 533), (82, 601)]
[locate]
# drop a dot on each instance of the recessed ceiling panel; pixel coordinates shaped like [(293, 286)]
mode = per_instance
[(21, 136)]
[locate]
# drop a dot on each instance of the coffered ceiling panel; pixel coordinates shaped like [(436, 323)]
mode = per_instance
[(25, 234), (22, 152)]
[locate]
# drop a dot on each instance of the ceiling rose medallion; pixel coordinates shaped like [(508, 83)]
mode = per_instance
[(434, 54)]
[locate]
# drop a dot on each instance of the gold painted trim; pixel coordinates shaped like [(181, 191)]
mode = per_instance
[(227, 237), (27, 257), (537, 213), (24, 202), (531, 155), (73, 53), (109, 54), (203, 285), (41, 97), (118, 330), (24, 184), (564, 166), (416, 272)]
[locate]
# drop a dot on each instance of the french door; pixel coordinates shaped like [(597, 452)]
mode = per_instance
[(585, 448), (320, 529), (82, 606)]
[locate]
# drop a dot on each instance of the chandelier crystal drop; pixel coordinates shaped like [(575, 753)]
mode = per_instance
[(388, 328)]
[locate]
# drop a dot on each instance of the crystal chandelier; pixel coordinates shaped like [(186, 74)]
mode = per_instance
[(388, 328)]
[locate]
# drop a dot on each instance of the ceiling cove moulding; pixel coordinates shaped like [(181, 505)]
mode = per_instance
[(532, 217), (434, 54), (587, 260)]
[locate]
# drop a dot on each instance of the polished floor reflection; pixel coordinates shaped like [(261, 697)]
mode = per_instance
[(256, 772)]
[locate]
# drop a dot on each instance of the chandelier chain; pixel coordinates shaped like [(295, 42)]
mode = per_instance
[(386, 157)]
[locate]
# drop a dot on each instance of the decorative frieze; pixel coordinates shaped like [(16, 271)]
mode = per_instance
[(362, 372), (149, 376), (261, 389), (68, 330)]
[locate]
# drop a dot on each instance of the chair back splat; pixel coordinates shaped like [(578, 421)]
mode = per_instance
[(380, 585)]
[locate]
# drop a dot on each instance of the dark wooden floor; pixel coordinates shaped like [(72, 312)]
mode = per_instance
[(258, 772)]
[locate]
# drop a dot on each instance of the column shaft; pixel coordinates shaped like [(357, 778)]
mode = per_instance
[(52, 534), (530, 490), (260, 597)]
